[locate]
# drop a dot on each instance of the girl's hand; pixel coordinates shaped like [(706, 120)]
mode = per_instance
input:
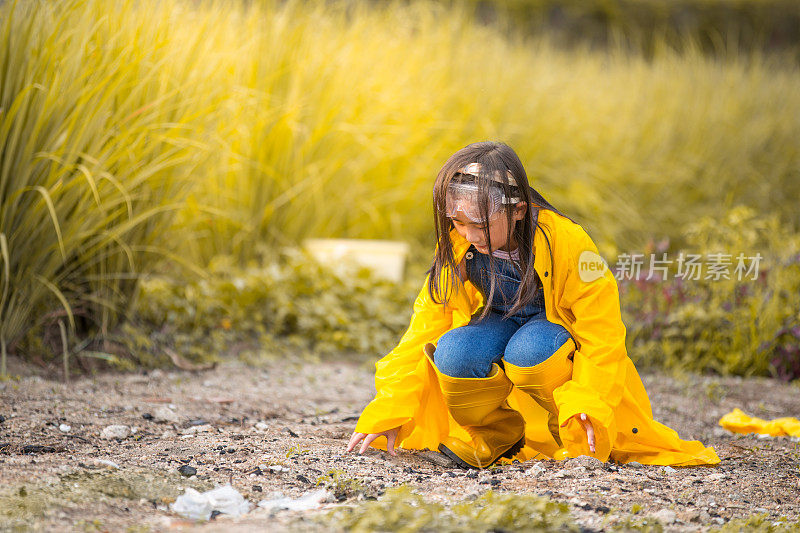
[(390, 434), (587, 427)]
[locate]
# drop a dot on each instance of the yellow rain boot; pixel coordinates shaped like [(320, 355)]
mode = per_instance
[(541, 380), (479, 405)]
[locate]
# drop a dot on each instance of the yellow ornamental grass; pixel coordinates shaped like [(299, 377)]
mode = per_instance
[(101, 128)]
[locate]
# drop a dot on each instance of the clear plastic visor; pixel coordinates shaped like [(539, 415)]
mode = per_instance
[(465, 197)]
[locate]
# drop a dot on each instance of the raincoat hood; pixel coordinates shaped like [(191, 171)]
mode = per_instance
[(580, 294)]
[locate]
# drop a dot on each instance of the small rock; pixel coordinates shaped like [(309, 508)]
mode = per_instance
[(634, 464), (577, 471), (198, 422), (561, 474), (261, 426), (717, 476), (718, 520), (278, 468), (116, 431), (64, 428), (193, 430), (165, 415), (37, 448), (147, 416), (187, 471), (577, 502), (721, 432), (536, 470), (668, 470), (2, 418), (106, 462), (665, 516), (586, 461)]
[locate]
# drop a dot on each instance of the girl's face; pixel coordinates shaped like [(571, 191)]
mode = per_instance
[(474, 232)]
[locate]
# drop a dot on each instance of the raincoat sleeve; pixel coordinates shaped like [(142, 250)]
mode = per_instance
[(398, 381), (600, 361)]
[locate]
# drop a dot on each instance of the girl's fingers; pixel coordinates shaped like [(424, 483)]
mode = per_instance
[(390, 442), (367, 440), (354, 440), (587, 425)]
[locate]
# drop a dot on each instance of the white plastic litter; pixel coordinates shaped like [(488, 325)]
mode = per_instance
[(310, 500), (198, 506)]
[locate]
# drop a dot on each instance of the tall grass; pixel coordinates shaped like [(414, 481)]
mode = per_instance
[(101, 125), (342, 115), (261, 123)]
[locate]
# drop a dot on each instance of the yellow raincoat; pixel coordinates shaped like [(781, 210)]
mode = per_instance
[(605, 384)]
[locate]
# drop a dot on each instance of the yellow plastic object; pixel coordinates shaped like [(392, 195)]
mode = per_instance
[(738, 422), (385, 259), (605, 384)]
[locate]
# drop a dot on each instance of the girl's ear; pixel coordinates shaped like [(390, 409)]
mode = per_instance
[(519, 211)]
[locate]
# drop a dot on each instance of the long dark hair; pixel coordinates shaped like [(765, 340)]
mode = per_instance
[(494, 159)]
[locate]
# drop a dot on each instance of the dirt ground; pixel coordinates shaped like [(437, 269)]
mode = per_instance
[(282, 428)]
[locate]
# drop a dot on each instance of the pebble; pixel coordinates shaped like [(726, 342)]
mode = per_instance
[(166, 415), (116, 431), (187, 471), (261, 426), (65, 428), (536, 470), (205, 428), (717, 476), (561, 474), (586, 461), (278, 468), (634, 464), (718, 520), (668, 470), (577, 502), (666, 516)]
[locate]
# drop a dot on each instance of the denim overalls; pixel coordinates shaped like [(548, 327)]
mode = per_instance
[(525, 339)]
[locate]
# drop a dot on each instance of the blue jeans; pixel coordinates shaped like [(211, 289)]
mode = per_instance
[(469, 351)]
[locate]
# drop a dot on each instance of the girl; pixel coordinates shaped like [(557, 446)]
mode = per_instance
[(516, 347)]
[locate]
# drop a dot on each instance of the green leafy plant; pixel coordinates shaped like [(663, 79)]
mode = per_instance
[(759, 523), (727, 326), (340, 484), (402, 509)]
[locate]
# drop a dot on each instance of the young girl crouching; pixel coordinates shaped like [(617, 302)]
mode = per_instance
[(516, 348)]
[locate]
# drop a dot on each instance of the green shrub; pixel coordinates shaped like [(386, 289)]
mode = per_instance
[(404, 510), (759, 523), (288, 303), (729, 326)]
